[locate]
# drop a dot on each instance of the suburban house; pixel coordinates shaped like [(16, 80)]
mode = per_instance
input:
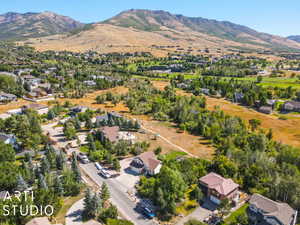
[(5, 97), (113, 134), (31, 81), (110, 133), (78, 109), (264, 211), (146, 163), (238, 97), (218, 188), (41, 109), (265, 109), (40, 221), (8, 139), (291, 106)]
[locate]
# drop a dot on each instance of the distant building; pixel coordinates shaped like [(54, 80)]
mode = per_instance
[(146, 163), (113, 134), (265, 109), (218, 188), (110, 133), (291, 106), (8, 139), (5, 98), (264, 211), (78, 109), (238, 97)]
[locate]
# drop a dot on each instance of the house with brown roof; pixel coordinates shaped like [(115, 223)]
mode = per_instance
[(146, 163), (264, 211), (113, 135), (218, 188), (110, 133)]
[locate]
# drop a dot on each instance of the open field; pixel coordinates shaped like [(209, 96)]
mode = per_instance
[(285, 131), (281, 82)]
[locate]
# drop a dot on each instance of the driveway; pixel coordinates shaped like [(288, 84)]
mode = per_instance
[(198, 214), (73, 216), (119, 196), (127, 178)]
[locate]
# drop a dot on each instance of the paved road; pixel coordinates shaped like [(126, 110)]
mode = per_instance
[(73, 216), (119, 197)]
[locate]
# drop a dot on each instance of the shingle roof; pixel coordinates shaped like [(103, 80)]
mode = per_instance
[(111, 133), (220, 184), (281, 211), (149, 159)]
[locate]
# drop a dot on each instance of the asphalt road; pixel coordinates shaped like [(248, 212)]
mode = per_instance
[(118, 194)]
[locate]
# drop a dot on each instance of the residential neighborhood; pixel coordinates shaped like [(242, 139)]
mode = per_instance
[(149, 117)]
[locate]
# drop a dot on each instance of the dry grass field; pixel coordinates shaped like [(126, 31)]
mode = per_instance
[(285, 131), (105, 38)]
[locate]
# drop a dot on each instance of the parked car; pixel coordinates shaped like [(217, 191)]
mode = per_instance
[(146, 211), (83, 158), (104, 173), (97, 165)]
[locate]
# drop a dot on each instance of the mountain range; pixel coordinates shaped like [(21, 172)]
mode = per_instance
[(294, 38), (18, 25), (137, 30)]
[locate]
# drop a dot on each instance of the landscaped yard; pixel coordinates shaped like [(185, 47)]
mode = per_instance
[(232, 218)]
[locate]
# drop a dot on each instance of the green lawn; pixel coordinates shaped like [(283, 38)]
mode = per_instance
[(173, 155), (282, 82), (235, 214)]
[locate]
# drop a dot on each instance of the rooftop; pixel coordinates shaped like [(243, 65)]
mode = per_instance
[(220, 184), (282, 211)]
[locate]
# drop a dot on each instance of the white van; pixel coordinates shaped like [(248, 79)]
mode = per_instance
[(97, 165)]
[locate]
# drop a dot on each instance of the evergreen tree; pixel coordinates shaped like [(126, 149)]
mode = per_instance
[(51, 115), (21, 183), (58, 187), (87, 202), (77, 123), (45, 166), (104, 194), (76, 171), (42, 182)]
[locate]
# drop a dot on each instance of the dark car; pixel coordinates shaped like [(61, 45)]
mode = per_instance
[(146, 211)]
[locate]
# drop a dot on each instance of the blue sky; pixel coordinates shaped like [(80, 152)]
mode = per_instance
[(270, 16)]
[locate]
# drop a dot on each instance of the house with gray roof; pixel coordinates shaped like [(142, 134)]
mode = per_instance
[(264, 211), (5, 97), (8, 139), (291, 106)]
